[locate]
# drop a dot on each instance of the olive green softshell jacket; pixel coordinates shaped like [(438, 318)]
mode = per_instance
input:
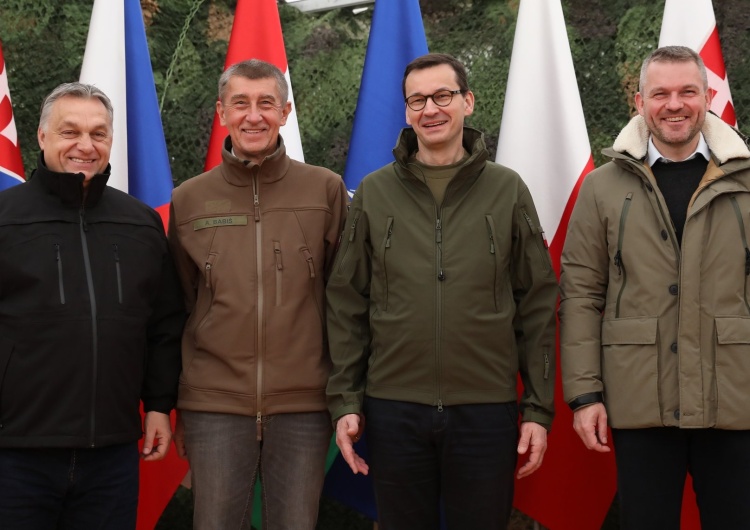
[(662, 329), (442, 305)]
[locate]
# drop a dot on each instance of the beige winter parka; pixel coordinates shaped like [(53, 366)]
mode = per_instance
[(661, 329)]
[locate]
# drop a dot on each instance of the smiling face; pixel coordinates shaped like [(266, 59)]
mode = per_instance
[(438, 129), (253, 113), (674, 102), (77, 137)]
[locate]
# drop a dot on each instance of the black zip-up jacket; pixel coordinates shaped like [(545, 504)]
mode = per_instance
[(91, 314)]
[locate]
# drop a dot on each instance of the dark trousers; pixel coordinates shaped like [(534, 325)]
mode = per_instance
[(464, 454), (652, 465), (69, 489)]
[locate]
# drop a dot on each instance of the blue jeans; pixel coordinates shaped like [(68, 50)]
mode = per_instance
[(69, 489), (226, 458), (464, 454), (652, 465)]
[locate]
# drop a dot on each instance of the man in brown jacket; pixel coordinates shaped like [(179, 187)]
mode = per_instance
[(655, 320), (254, 240)]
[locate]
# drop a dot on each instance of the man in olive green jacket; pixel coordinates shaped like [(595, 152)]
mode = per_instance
[(655, 320), (441, 294)]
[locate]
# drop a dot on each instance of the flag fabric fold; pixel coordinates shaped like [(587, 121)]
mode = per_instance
[(543, 137), (692, 23), (117, 61), (11, 164), (256, 34), (396, 38)]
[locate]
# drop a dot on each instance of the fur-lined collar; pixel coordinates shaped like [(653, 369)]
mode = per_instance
[(724, 142)]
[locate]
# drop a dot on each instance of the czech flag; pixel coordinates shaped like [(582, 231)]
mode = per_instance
[(11, 165), (117, 61)]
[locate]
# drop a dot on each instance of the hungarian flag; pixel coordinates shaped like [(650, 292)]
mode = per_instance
[(543, 137), (117, 61), (11, 165), (256, 34), (692, 23), (396, 38)]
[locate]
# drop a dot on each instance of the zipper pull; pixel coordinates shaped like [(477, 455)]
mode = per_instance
[(618, 262), (440, 405), (258, 427)]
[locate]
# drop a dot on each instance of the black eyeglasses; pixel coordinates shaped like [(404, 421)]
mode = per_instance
[(441, 98)]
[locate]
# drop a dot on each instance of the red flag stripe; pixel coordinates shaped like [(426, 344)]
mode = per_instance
[(712, 56)]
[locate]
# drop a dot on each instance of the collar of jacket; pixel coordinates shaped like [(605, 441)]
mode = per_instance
[(238, 172), (68, 187), (725, 142), (473, 142)]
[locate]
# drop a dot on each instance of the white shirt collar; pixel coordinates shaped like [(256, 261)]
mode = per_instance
[(655, 156)]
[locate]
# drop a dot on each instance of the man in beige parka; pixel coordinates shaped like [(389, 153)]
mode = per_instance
[(655, 320)]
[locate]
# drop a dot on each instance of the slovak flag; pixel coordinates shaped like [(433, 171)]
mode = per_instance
[(118, 62), (543, 137), (256, 34), (692, 23), (11, 165)]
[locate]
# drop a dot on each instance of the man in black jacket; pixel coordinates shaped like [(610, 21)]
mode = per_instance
[(91, 315)]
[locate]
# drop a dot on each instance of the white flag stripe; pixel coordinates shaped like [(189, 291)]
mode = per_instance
[(290, 131), (687, 23), (104, 67), (543, 132)]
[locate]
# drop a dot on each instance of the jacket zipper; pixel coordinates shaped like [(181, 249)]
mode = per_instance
[(60, 285), (491, 235), (389, 233), (279, 267), (117, 270), (308, 257), (537, 231), (352, 232), (738, 213), (83, 228), (439, 305), (259, 322), (618, 256)]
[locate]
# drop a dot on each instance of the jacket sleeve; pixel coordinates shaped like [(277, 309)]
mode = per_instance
[(339, 202), (583, 281), (348, 302), (164, 335), (187, 272), (535, 294)]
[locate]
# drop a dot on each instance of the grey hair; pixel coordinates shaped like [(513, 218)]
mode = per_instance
[(254, 69), (673, 54), (73, 90)]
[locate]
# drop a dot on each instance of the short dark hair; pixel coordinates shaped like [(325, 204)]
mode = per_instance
[(673, 54), (254, 69), (436, 59)]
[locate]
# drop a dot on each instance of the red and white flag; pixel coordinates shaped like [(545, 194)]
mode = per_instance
[(543, 137), (692, 23), (256, 34), (11, 165)]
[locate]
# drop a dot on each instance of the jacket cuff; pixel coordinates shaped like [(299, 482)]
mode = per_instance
[(586, 399)]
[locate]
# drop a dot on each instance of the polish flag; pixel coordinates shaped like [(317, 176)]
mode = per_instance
[(256, 34), (11, 165), (543, 137), (692, 23), (117, 61)]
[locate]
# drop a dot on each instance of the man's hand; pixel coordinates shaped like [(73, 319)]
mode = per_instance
[(349, 429), (159, 431), (591, 425), (535, 436), (179, 436)]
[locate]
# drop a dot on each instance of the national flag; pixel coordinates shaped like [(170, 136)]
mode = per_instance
[(692, 23), (256, 34), (396, 38), (543, 137), (117, 61), (11, 165)]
